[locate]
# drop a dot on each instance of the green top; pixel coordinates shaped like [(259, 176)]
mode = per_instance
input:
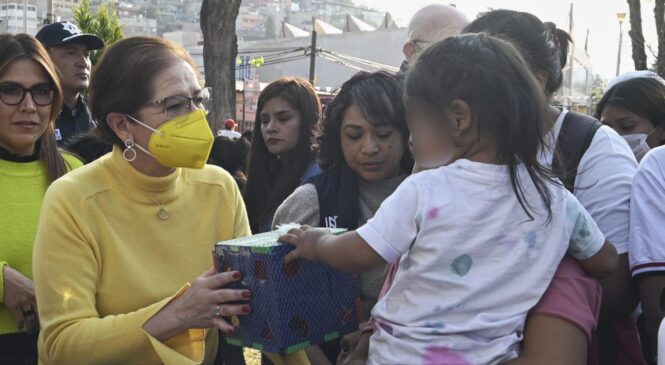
[(22, 188)]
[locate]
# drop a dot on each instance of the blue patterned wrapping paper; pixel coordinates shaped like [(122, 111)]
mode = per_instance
[(294, 306)]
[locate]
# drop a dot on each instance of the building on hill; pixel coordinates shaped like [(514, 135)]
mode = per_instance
[(19, 17)]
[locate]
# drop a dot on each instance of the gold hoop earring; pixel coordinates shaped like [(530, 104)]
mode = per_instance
[(129, 149)]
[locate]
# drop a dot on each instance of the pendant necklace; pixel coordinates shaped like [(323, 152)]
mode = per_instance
[(162, 213)]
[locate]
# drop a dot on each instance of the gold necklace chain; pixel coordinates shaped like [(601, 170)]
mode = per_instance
[(162, 213)]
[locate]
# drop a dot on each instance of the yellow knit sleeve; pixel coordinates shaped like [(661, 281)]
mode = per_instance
[(2, 280), (66, 264), (188, 347)]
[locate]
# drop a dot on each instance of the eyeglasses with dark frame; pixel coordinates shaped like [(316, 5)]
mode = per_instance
[(176, 105), (12, 94), (421, 43)]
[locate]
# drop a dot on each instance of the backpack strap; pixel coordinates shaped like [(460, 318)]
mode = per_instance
[(577, 132)]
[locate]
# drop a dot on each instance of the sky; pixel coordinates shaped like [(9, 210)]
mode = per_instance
[(598, 16)]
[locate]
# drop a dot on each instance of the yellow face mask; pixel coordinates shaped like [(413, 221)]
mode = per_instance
[(184, 141)]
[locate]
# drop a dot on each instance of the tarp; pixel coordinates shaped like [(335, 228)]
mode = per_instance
[(291, 31), (354, 24), (322, 27)]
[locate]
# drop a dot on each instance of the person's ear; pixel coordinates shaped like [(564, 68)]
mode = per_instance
[(120, 125), (409, 51), (543, 77), (462, 116)]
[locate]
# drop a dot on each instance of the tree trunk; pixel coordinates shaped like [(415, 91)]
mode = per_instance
[(220, 48), (659, 13), (636, 34)]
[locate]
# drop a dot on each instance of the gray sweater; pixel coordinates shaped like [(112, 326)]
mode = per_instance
[(302, 207)]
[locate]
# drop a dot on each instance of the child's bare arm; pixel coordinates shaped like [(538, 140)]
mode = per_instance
[(603, 263), (346, 252)]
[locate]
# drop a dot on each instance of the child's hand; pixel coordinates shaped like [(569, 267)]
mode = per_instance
[(303, 239)]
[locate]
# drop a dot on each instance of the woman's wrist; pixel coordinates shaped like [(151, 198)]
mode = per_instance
[(166, 323)]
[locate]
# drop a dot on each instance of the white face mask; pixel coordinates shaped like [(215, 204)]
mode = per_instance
[(638, 143)]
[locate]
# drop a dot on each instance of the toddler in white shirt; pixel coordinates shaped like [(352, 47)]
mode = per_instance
[(479, 235)]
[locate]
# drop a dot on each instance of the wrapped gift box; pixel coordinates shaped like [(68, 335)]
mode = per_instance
[(294, 305)]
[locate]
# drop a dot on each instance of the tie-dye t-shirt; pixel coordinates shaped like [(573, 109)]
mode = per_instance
[(472, 262)]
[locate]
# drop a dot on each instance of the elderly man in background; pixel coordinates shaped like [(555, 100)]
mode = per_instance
[(429, 25)]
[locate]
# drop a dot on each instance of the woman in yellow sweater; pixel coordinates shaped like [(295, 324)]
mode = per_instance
[(30, 98), (121, 239)]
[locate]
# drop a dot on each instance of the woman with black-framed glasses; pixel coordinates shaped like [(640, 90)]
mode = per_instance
[(12, 93), (30, 97)]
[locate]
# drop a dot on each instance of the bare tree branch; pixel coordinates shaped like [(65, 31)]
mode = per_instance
[(651, 51), (636, 35), (659, 14)]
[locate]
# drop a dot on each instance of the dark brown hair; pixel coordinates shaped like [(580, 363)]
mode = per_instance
[(642, 96), (378, 96), (269, 182), (231, 155), (543, 46), (24, 46), (509, 105), (122, 81)]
